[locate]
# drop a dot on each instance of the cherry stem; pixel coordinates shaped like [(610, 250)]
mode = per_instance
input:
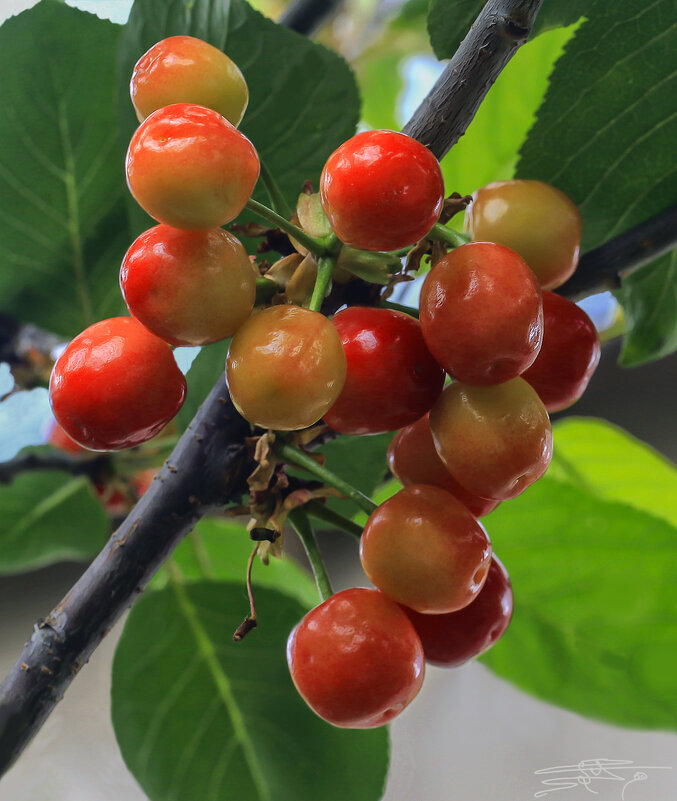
[(315, 246), (277, 199), (440, 233), (325, 267), (265, 289), (321, 511), (389, 304), (293, 455), (299, 520)]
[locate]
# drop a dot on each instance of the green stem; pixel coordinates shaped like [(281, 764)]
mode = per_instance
[(325, 267), (321, 511), (297, 457), (310, 243), (388, 304), (277, 199), (440, 233), (299, 520), (265, 289)]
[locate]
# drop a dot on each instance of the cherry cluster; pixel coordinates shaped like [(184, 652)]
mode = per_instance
[(508, 348)]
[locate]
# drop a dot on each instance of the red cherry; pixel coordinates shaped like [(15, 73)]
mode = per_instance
[(450, 640), (392, 379), (481, 313), (115, 385), (188, 167), (425, 550), (569, 354), (381, 190), (356, 659), (413, 459), (58, 438)]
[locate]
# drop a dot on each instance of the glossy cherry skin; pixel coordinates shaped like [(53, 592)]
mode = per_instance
[(450, 640), (59, 439), (537, 220), (569, 354), (188, 287), (482, 314), (188, 167), (183, 69), (413, 459), (285, 367), (495, 441), (115, 385), (392, 379), (356, 659), (381, 190), (425, 550)]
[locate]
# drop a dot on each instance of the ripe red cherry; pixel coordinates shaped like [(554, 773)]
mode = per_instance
[(537, 220), (188, 287), (356, 659), (413, 459), (569, 354), (115, 385), (481, 313), (188, 167), (183, 69), (495, 441), (285, 367), (450, 640), (381, 190), (425, 550), (392, 379), (58, 438)]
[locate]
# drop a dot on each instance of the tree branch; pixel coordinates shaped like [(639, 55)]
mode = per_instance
[(308, 16), (96, 467), (445, 113), (605, 266)]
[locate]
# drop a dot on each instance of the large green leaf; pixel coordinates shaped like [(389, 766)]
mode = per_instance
[(606, 135), (302, 97), (595, 623), (48, 517), (63, 226), (200, 718), (221, 548), (606, 461)]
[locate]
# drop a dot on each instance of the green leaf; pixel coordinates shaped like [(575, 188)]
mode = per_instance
[(605, 135), (489, 149), (48, 517), (381, 84), (199, 717), (606, 461), (63, 225), (223, 546), (204, 371), (649, 300), (449, 20), (595, 622), (303, 99)]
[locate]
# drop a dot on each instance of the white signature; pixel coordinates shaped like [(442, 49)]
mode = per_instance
[(591, 773)]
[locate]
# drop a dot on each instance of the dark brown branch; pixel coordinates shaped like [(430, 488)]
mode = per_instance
[(308, 16), (497, 33), (207, 467), (98, 468), (605, 266)]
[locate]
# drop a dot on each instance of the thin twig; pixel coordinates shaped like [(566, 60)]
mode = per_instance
[(308, 16), (98, 468)]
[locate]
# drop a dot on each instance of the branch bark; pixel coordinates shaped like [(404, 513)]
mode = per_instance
[(502, 27), (308, 16), (96, 467)]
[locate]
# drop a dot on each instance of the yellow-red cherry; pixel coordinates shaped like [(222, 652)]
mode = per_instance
[(188, 167), (381, 190), (392, 379), (184, 69), (115, 385), (569, 354), (537, 220), (495, 441), (482, 314), (452, 639), (356, 659), (188, 287), (285, 367), (424, 549), (413, 459)]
